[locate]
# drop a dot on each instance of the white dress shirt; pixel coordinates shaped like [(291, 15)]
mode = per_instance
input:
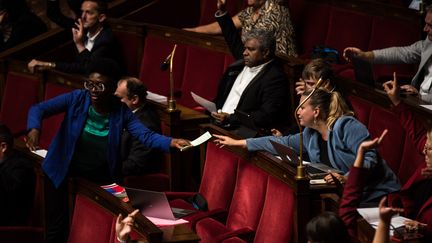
[(240, 84), (91, 40)]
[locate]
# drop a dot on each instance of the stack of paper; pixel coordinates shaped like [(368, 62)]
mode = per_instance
[(371, 215)]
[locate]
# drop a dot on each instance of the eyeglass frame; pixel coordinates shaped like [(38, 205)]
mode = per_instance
[(90, 85)]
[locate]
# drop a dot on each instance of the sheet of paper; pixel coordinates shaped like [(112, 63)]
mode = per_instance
[(429, 107), (156, 97), (210, 106), (201, 139), (41, 152), (371, 215), (166, 222), (317, 181)]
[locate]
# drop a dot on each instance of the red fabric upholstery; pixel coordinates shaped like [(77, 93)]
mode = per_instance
[(348, 29), (234, 240), (245, 209), (392, 145), (386, 32), (219, 163), (203, 69), (229, 59), (51, 125), (90, 223), (155, 52), (276, 223), (153, 182), (131, 45), (20, 93), (311, 23), (361, 109)]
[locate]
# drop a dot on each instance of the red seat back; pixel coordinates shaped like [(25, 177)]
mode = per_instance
[(361, 109), (91, 223), (247, 203), (51, 124), (277, 218), (203, 69), (392, 145), (20, 93), (219, 164), (155, 52)]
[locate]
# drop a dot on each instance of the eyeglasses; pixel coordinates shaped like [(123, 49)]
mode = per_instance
[(89, 85), (426, 148)]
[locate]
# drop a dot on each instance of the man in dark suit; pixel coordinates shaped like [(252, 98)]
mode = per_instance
[(255, 84), (93, 40), (136, 158), (17, 183)]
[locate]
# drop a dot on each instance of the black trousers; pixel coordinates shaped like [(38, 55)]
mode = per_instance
[(56, 212)]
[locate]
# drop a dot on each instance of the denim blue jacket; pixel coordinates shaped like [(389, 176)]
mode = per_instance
[(343, 142), (75, 105)]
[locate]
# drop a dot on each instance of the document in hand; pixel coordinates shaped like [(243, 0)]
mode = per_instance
[(210, 106), (371, 215), (201, 139)]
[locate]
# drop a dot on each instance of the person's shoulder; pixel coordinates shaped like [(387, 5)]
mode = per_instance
[(347, 122)]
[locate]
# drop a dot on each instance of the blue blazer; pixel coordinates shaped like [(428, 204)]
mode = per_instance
[(75, 105), (342, 145)]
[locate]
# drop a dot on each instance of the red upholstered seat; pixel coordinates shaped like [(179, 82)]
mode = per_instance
[(245, 210), (155, 52), (131, 46), (218, 192), (392, 145), (341, 32), (51, 125), (91, 223), (386, 32), (234, 240), (410, 161), (20, 93), (203, 69), (277, 218), (361, 109)]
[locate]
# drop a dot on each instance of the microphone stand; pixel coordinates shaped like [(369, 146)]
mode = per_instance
[(300, 167), (171, 101)]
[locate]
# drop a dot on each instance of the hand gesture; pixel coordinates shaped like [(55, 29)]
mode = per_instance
[(124, 226), (221, 5), (78, 34), (329, 179), (392, 89), (220, 116), (386, 213), (349, 52), (225, 140), (367, 145), (276, 132), (179, 143), (32, 140)]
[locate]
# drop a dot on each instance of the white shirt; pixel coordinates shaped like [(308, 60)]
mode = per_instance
[(425, 86), (91, 40), (240, 84)]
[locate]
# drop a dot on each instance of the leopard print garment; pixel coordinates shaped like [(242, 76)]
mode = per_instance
[(274, 17)]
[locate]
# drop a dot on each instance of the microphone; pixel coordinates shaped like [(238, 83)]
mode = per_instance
[(165, 64)]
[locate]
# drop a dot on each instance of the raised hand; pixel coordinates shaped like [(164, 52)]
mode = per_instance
[(225, 140), (392, 89), (124, 226)]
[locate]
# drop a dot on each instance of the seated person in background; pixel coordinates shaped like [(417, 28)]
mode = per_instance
[(313, 71), (87, 143), (416, 195), (137, 159), (332, 136), (17, 23), (17, 183), (419, 53), (270, 15), (328, 227), (256, 85), (93, 39)]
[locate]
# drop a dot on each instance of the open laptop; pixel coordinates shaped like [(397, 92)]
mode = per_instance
[(313, 170), (155, 204), (363, 71)]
